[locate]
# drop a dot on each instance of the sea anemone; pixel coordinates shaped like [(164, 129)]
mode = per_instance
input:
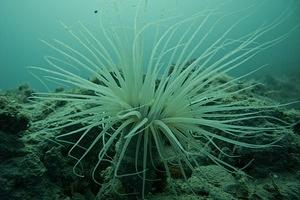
[(152, 100)]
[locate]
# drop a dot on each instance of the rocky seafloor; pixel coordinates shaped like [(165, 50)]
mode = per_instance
[(35, 166)]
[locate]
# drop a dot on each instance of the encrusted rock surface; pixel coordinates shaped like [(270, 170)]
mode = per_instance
[(35, 166)]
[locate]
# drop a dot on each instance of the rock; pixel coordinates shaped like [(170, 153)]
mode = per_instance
[(12, 119)]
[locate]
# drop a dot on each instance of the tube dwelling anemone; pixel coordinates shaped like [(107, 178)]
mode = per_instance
[(153, 97)]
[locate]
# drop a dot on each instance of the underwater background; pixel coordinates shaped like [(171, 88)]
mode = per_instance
[(23, 23), (34, 165)]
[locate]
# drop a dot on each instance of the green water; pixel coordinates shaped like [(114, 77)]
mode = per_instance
[(24, 22)]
